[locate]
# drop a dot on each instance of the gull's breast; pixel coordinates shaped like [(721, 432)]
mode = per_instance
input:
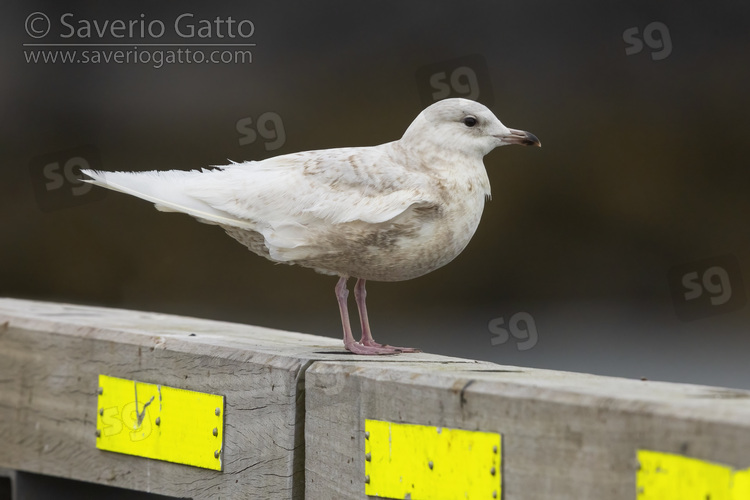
[(423, 238)]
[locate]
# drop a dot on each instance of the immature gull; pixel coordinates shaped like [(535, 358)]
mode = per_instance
[(386, 213)]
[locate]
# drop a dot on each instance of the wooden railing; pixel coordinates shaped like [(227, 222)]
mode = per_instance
[(298, 417)]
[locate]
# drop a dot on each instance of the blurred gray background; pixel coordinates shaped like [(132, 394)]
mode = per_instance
[(621, 247)]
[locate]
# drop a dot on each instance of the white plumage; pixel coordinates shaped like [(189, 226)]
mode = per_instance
[(389, 212)]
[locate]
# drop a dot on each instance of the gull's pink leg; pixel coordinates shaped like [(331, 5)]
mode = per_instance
[(342, 293), (360, 294)]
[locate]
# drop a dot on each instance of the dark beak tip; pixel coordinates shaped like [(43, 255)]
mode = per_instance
[(521, 137), (532, 140)]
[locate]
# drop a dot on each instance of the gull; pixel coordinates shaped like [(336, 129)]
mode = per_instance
[(390, 212)]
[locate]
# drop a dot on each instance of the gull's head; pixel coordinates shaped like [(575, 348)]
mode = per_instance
[(464, 126)]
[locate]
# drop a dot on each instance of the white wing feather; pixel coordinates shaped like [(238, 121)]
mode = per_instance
[(334, 186), (166, 190), (285, 196)]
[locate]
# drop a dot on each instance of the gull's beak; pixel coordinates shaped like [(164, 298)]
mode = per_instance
[(522, 137)]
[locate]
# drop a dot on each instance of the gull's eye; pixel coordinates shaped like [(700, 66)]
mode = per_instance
[(469, 121)]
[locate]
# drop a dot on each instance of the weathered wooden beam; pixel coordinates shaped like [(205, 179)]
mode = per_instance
[(565, 435), (51, 356), (296, 408)]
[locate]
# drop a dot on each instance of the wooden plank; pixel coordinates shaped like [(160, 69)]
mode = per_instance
[(296, 407), (48, 405), (8, 484), (564, 435), (51, 356)]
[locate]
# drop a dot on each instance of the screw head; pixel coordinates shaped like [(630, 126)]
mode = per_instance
[(101, 411), (217, 412), (367, 479), (430, 464), (100, 391), (158, 421), (367, 434), (217, 453), (98, 433), (216, 431)]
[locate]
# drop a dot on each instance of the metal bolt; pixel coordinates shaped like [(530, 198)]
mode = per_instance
[(101, 391), (367, 479), (98, 433), (216, 431), (216, 453), (368, 457), (494, 494), (430, 464), (493, 471), (158, 421), (217, 412), (101, 411), (494, 449), (367, 434)]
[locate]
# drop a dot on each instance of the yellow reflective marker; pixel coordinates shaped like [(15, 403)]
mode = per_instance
[(426, 462), (666, 476), (155, 421)]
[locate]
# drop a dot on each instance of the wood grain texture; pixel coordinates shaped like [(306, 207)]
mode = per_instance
[(48, 405), (296, 406), (52, 354), (565, 435)]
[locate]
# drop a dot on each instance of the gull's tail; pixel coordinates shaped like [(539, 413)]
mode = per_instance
[(167, 190)]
